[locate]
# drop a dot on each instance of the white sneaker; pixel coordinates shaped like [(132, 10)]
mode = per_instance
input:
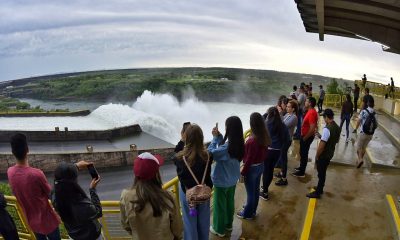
[(214, 232)]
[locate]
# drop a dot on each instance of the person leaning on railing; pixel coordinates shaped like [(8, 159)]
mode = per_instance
[(196, 220), (79, 213), (32, 191), (147, 210)]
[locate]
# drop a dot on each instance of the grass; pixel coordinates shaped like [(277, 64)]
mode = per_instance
[(6, 190)]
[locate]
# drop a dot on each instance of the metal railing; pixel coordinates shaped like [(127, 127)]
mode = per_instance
[(379, 88), (110, 221)]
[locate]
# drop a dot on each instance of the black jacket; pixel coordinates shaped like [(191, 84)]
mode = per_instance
[(186, 179), (85, 212), (7, 226)]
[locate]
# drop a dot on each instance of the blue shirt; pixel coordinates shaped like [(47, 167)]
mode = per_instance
[(226, 171)]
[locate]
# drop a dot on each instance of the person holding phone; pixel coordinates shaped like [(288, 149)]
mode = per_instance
[(79, 213), (227, 152), (181, 144)]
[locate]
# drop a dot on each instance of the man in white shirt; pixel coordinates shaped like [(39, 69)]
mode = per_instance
[(365, 137)]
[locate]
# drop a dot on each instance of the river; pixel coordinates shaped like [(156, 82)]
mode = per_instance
[(161, 115)]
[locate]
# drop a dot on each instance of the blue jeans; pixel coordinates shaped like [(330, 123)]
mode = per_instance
[(299, 121), (252, 184), (55, 235), (347, 119), (269, 164), (195, 227), (283, 159)]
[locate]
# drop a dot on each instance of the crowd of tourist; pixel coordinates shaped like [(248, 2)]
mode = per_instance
[(149, 212)]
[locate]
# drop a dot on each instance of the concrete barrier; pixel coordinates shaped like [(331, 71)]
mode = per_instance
[(46, 136), (81, 113), (48, 162)]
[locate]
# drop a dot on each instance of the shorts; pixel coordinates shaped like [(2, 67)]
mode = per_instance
[(363, 141)]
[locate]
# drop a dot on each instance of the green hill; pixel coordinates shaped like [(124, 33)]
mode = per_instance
[(211, 84)]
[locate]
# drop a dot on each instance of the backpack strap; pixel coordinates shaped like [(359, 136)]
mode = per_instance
[(191, 172)]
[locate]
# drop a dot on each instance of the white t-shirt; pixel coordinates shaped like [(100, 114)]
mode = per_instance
[(325, 134), (363, 116)]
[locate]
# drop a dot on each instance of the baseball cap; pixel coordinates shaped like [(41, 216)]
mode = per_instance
[(146, 165), (328, 113)]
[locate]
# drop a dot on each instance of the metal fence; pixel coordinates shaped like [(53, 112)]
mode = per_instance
[(111, 222)]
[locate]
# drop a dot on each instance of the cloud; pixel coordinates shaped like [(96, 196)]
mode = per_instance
[(46, 36)]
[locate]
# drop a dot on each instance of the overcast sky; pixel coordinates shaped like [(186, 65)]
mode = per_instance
[(40, 37)]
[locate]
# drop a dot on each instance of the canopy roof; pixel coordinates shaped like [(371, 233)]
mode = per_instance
[(374, 20)]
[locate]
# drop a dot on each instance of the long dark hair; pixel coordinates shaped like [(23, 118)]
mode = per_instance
[(150, 191), (258, 129), (274, 118), (348, 98), (234, 133), (67, 190)]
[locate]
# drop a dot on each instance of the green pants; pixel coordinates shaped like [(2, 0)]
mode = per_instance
[(223, 208)]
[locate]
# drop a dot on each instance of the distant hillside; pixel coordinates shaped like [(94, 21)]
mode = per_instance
[(211, 84)]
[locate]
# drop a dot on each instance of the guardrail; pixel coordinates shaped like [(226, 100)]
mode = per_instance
[(379, 88), (110, 221)]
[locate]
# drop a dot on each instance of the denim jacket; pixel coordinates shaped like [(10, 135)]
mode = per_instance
[(226, 171)]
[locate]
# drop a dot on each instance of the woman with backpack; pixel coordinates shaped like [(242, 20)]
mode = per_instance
[(193, 166), (227, 153), (147, 210), (280, 136), (346, 114), (253, 164), (79, 213)]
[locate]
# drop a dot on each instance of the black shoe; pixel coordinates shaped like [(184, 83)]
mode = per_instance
[(360, 164), (264, 196), (315, 189), (278, 175), (281, 182), (298, 174), (313, 195)]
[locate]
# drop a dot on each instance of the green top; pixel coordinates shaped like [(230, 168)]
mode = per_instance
[(334, 135)]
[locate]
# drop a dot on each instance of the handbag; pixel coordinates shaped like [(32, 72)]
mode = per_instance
[(201, 192)]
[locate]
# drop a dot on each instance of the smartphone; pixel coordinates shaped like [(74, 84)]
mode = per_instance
[(93, 172)]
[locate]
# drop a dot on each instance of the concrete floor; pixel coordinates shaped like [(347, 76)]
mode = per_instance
[(352, 207)]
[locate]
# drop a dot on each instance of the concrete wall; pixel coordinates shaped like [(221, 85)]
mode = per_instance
[(389, 106), (48, 162), (43, 136), (397, 108), (47, 114)]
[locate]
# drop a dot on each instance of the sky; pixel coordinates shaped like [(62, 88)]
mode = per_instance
[(40, 37)]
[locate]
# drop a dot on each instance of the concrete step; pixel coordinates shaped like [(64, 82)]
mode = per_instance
[(390, 125)]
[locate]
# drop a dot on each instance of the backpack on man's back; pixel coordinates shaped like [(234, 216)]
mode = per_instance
[(370, 123)]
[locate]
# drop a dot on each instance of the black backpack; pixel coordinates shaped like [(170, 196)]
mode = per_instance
[(370, 123)]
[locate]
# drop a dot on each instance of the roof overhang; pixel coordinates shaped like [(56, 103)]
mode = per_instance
[(374, 20)]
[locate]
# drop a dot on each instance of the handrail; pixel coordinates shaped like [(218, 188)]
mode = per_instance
[(111, 228)]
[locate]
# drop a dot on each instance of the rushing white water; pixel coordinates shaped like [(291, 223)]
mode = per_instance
[(161, 115)]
